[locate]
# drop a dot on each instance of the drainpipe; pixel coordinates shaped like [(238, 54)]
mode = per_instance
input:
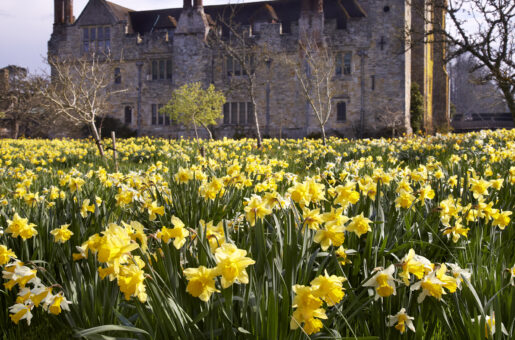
[(362, 55), (140, 70)]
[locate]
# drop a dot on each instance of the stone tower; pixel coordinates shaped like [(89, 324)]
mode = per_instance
[(190, 52)]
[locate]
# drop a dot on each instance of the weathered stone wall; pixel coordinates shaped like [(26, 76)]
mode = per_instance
[(376, 92)]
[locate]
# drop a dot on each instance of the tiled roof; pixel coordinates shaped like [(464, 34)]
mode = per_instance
[(242, 13), (121, 13)]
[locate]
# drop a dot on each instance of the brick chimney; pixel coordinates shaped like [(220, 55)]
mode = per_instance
[(68, 12), (63, 12), (318, 6), (312, 6), (197, 3), (58, 12), (186, 4)]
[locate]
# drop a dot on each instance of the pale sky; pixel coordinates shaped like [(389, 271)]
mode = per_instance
[(26, 25)]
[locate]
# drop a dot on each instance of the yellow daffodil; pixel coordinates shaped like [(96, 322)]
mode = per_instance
[(86, 207), (21, 227), (501, 219), (62, 234), (6, 255), (342, 254), (312, 218), (332, 235), (456, 231), (308, 312), (201, 282), (359, 225), (416, 265), (430, 285), (346, 194), (130, 281), (231, 264), (256, 209), (329, 288)]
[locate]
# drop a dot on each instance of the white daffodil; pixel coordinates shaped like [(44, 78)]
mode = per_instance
[(383, 282), (459, 273), (490, 325), (19, 312), (401, 320)]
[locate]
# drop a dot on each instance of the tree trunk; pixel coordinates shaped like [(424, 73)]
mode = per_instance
[(208, 131), (195, 129), (256, 120), (196, 136), (96, 137), (16, 129), (322, 127)]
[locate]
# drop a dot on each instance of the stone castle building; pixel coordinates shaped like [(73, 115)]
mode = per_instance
[(156, 51)]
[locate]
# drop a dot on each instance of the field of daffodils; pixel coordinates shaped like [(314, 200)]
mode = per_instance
[(408, 238)]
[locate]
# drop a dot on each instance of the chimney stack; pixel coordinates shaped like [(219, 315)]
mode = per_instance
[(305, 5), (312, 6), (68, 12), (198, 3), (58, 12), (63, 12), (186, 4), (318, 6)]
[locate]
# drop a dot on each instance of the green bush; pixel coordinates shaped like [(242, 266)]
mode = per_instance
[(416, 108)]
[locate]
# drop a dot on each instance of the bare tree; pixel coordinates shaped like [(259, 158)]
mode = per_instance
[(391, 119), (81, 90), (247, 53), (22, 104), (314, 68), (482, 28)]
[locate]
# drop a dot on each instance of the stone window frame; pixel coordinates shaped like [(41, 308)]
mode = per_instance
[(156, 118), (233, 115), (117, 75), (343, 64), (128, 113), (161, 69), (341, 110), (91, 38), (233, 69)]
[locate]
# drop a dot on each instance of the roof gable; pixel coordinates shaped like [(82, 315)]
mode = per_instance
[(101, 12)]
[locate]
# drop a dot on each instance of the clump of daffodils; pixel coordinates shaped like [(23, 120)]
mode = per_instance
[(114, 249), (231, 266), (308, 301), (434, 282), (21, 227), (32, 292)]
